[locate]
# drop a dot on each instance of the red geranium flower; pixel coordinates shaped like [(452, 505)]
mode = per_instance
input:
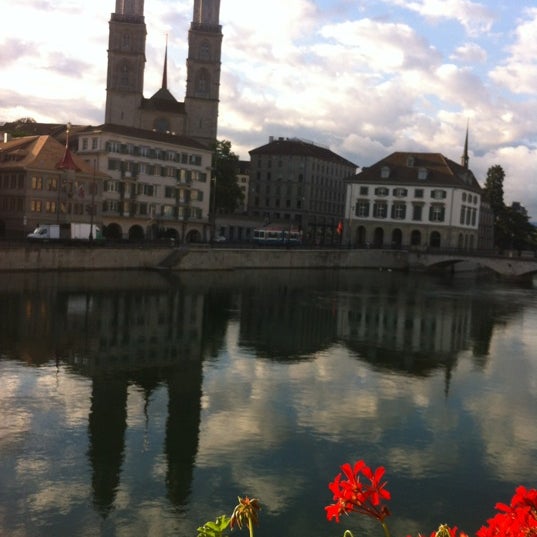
[(351, 494)]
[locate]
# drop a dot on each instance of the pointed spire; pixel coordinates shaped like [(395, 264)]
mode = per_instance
[(165, 73), (465, 159), (67, 162)]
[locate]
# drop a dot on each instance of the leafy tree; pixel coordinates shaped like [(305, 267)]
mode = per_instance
[(512, 228), (228, 195), (514, 231), (493, 189)]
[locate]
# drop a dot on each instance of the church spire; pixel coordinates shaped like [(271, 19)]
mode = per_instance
[(465, 159), (165, 72)]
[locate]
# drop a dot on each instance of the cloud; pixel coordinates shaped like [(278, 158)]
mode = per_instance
[(12, 50), (469, 53), (518, 73), (476, 18)]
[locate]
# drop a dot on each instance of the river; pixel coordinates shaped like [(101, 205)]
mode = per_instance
[(143, 404)]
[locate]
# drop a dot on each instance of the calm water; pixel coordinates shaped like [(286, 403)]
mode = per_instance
[(138, 405)]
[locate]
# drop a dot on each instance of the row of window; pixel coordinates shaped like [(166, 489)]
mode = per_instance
[(12, 181), (112, 146), (150, 190), (398, 211), (134, 169), (11, 203), (63, 208), (419, 193), (114, 207), (328, 168)]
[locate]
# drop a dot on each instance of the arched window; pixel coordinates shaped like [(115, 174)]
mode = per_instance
[(415, 237), (435, 240)]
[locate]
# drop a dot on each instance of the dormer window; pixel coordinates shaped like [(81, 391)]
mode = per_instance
[(423, 173), (385, 172), (410, 161)]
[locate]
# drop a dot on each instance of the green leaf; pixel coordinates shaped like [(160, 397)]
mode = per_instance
[(214, 529)]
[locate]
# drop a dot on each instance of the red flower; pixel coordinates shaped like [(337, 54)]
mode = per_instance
[(518, 519), (352, 494)]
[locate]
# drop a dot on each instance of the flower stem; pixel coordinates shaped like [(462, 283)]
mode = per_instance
[(251, 527), (386, 530)]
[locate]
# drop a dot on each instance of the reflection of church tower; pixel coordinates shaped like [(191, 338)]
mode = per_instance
[(197, 116), (182, 429), (107, 424), (203, 70), (126, 62)]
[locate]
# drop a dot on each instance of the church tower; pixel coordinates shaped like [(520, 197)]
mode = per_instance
[(126, 63), (203, 71), (197, 116)]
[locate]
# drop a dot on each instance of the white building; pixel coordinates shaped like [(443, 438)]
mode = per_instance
[(159, 184), (413, 200)]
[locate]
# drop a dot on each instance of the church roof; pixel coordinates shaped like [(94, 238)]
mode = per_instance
[(424, 169), (163, 101)]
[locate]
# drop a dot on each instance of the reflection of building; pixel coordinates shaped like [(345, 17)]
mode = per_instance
[(414, 200), (283, 323), (158, 183), (392, 330), (41, 182), (301, 184)]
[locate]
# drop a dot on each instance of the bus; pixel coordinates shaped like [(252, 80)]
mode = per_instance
[(277, 236)]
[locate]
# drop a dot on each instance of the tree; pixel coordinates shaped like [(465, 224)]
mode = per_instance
[(493, 189), (228, 195), (512, 228)]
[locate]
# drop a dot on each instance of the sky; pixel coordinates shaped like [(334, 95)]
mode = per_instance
[(364, 78)]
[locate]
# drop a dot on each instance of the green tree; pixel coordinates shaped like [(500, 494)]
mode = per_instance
[(228, 195), (512, 228), (493, 189)]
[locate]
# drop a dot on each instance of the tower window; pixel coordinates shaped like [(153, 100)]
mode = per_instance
[(124, 75), (202, 85), (126, 41), (205, 51)]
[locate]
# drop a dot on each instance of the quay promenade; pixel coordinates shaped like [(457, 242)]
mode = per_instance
[(87, 256)]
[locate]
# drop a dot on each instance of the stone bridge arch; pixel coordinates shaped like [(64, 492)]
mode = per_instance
[(515, 267)]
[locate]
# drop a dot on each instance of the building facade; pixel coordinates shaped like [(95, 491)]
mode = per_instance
[(157, 185), (42, 182), (197, 116), (414, 200), (299, 184)]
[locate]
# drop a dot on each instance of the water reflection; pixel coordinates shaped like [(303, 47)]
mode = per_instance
[(184, 391)]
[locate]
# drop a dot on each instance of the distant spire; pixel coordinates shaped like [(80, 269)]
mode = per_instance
[(67, 162), (165, 73), (465, 159)]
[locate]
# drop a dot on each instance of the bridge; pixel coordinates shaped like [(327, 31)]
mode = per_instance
[(510, 265)]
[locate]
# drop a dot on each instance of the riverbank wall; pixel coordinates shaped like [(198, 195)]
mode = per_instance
[(40, 257)]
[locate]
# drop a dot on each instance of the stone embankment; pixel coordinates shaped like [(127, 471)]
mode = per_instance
[(41, 257)]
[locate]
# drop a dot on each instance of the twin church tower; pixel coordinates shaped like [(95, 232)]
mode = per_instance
[(197, 116)]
